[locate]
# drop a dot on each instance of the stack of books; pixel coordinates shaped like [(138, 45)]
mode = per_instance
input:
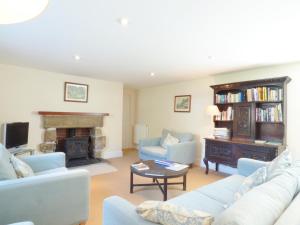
[(264, 94), (271, 114), (230, 97), (222, 133), (225, 115)]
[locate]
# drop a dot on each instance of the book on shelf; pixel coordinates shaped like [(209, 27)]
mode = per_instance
[(225, 115), (261, 94), (230, 97), (140, 166), (269, 114), (260, 141)]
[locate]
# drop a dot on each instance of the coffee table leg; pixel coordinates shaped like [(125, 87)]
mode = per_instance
[(184, 182), (131, 182), (153, 180), (165, 189)]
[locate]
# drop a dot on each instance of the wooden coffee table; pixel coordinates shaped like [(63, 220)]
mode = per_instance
[(157, 172)]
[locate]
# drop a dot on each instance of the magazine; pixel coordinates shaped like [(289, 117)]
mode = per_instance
[(177, 167), (140, 166)]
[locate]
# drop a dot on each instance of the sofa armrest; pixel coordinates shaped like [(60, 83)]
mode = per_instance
[(182, 152), (149, 142), (52, 199), (45, 161), (248, 166), (117, 210)]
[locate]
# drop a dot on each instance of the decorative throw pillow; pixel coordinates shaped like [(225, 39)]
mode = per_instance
[(257, 178), (7, 171), (263, 204), (170, 140), (22, 169), (169, 214), (279, 164)]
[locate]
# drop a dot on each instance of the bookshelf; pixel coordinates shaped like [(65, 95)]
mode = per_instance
[(252, 110)]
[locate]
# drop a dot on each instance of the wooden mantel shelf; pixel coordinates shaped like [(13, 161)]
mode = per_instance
[(50, 113)]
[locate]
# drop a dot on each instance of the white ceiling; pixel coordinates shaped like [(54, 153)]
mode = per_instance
[(176, 39)]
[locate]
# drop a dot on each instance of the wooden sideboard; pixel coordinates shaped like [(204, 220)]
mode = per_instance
[(228, 152)]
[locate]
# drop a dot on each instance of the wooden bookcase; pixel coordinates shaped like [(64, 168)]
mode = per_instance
[(259, 113)]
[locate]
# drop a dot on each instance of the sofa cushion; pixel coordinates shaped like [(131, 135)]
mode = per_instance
[(223, 190), (170, 140), (169, 214), (56, 170), (182, 137), (291, 215), (21, 168), (7, 171), (195, 200), (279, 164), (266, 202), (154, 151)]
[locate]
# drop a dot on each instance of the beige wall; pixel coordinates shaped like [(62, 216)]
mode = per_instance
[(129, 116), (25, 91), (155, 105)]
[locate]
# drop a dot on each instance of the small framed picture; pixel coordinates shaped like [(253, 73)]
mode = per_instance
[(75, 92), (182, 103)]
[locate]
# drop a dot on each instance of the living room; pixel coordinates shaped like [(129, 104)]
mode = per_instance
[(160, 91)]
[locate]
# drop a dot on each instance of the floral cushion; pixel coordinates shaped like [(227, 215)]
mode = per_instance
[(278, 166), (22, 169), (169, 214)]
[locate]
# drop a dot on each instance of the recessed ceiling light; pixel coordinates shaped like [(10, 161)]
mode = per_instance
[(124, 21), (77, 57), (152, 74)]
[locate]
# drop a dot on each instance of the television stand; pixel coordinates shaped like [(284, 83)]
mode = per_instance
[(21, 151)]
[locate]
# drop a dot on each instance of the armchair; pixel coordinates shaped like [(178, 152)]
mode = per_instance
[(53, 196), (183, 152)]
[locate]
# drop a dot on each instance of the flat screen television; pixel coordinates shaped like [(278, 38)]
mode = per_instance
[(15, 134)]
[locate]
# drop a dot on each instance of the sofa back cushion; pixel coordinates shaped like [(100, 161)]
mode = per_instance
[(264, 204), (7, 171), (182, 137)]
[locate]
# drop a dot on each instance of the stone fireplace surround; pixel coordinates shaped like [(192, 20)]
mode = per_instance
[(70, 130)]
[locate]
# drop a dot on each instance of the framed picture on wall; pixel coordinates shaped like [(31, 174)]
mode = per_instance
[(182, 103), (75, 92)]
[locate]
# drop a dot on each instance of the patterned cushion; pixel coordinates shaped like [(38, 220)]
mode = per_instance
[(7, 171), (257, 178), (263, 204), (277, 167), (22, 169), (169, 214)]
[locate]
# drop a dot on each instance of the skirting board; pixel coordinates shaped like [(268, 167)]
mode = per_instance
[(108, 154)]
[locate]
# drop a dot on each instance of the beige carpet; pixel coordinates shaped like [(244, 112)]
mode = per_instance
[(98, 168), (117, 183)]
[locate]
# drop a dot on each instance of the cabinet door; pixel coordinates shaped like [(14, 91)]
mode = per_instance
[(244, 121)]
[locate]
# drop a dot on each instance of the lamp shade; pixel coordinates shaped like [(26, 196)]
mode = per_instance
[(212, 110), (16, 11)]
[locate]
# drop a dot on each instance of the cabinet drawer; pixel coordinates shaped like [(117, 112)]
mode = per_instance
[(219, 150), (254, 152)]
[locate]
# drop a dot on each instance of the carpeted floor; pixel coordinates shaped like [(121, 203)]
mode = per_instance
[(98, 168), (117, 183)]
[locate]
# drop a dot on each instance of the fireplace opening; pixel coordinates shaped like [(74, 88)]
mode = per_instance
[(78, 146)]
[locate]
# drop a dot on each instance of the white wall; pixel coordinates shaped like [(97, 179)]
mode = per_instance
[(155, 105), (25, 91)]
